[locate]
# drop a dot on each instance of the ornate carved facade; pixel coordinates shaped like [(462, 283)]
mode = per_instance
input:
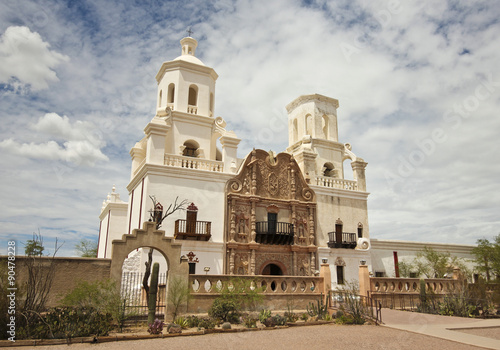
[(271, 218)]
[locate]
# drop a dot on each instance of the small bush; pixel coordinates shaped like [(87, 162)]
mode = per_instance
[(269, 322), (279, 320), (250, 321), (183, 322), (224, 310), (304, 317), (69, 322), (207, 323), (291, 317), (345, 319), (192, 321), (264, 315), (156, 327)]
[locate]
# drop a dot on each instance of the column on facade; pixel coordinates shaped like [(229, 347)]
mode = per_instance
[(358, 169), (311, 224), (231, 262), (233, 220)]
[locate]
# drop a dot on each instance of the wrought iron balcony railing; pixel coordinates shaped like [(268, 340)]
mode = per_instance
[(194, 230), (269, 232), (342, 240)]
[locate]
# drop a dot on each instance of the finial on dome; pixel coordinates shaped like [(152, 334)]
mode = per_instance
[(188, 46), (189, 31)]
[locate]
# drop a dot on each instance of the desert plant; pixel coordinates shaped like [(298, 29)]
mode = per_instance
[(304, 317), (192, 321), (319, 309), (153, 291), (264, 315), (156, 327), (178, 294), (104, 296), (243, 292), (269, 322), (250, 321), (354, 304), (223, 309), (291, 317), (183, 322), (207, 323), (279, 320)]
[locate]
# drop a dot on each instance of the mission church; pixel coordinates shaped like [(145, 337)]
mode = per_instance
[(265, 214)]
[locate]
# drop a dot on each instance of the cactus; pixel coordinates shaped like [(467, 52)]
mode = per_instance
[(153, 291), (423, 296), (320, 311)]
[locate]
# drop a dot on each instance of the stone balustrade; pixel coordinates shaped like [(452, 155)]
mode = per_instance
[(194, 163), (192, 109), (296, 285), (332, 182), (412, 285)]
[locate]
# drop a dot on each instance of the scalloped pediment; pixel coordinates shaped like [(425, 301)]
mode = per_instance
[(265, 175)]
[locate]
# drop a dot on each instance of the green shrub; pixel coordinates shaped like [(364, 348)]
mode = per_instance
[(279, 320), (207, 323), (71, 322), (192, 321), (291, 317), (250, 321), (264, 315), (183, 322), (224, 310), (103, 296), (345, 319), (269, 322)]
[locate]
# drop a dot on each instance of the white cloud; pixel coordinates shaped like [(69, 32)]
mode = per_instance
[(26, 59), (81, 142)]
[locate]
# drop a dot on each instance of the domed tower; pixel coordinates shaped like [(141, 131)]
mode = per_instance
[(185, 84)]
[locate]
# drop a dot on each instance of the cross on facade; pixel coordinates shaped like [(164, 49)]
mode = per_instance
[(189, 31)]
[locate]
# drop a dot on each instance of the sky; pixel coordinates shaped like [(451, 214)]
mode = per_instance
[(418, 83)]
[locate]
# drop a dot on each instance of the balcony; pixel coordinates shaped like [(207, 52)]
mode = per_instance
[(192, 230), (331, 182), (269, 232), (342, 240), (193, 163)]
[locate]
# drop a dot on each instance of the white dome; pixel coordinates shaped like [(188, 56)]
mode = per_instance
[(189, 58)]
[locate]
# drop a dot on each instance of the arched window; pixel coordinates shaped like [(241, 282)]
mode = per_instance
[(191, 149), (360, 230), (309, 125), (193, 95), (171, 92), (159, 99), (324, 126)]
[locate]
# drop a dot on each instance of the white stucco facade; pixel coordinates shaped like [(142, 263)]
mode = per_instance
[(178, 158)]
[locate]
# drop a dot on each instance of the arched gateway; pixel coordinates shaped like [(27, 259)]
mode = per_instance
[(148, 237)]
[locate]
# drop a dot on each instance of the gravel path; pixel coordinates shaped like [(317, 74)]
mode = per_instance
[(311, 337)]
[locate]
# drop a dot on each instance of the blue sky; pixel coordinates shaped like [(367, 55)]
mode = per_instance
[(418, 84)]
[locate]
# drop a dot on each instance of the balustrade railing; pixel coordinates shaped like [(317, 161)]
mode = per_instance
[(214, 284), (412, 285), (268, 232), (332, 182), (194, 163), (201, 230), (192, 109), (347, 240)]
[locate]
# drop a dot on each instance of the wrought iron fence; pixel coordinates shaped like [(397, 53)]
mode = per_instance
[(352, 303), (135, 297)]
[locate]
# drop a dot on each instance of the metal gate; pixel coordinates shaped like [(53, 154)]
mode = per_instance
[(135, 297)]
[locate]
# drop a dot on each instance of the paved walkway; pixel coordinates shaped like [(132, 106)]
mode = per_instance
[(446, 327)]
